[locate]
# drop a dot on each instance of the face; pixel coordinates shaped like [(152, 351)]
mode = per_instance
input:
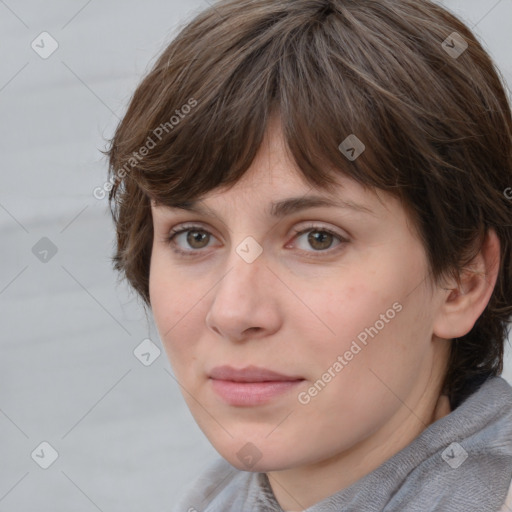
[(297, 332)]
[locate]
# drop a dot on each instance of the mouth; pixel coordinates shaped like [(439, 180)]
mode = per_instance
[(250, 386)]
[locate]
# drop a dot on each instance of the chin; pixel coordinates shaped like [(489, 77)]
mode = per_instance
[(257, 458), (262, 466)]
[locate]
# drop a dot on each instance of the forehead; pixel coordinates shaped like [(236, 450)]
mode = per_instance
[(275, 182)]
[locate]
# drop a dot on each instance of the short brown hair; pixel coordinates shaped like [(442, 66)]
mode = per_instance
[(436, 126)]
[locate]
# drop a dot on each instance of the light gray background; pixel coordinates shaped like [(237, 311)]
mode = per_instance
[(125, 439)]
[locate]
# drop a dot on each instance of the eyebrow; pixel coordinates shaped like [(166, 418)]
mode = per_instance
[(282, 208)]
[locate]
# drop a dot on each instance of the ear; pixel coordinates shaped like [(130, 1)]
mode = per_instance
[(463, 303)]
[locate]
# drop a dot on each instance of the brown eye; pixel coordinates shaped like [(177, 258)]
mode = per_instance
[(189, 240), (196, 239), (320, 240)]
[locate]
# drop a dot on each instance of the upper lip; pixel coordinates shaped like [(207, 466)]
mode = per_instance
[(249, 374)]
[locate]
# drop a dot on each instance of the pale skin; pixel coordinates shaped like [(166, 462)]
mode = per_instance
[(295, 309)]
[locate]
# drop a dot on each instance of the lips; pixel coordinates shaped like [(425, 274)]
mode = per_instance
[(250, 386), (249, 374)]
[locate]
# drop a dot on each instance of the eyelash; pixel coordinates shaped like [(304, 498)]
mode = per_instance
[(297, 232)]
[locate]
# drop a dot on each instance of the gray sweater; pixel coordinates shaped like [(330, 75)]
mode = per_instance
[(460, 463)]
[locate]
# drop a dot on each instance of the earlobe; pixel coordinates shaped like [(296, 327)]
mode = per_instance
[(464, 302)]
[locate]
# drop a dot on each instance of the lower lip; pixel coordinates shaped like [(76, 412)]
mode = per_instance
[(251, 393)]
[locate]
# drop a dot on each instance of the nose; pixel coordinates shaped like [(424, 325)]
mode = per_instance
[(245, 302)]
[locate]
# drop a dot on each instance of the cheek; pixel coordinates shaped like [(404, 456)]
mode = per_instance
[(175, 304), (371, 313), (346, 309), (383, 333)]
